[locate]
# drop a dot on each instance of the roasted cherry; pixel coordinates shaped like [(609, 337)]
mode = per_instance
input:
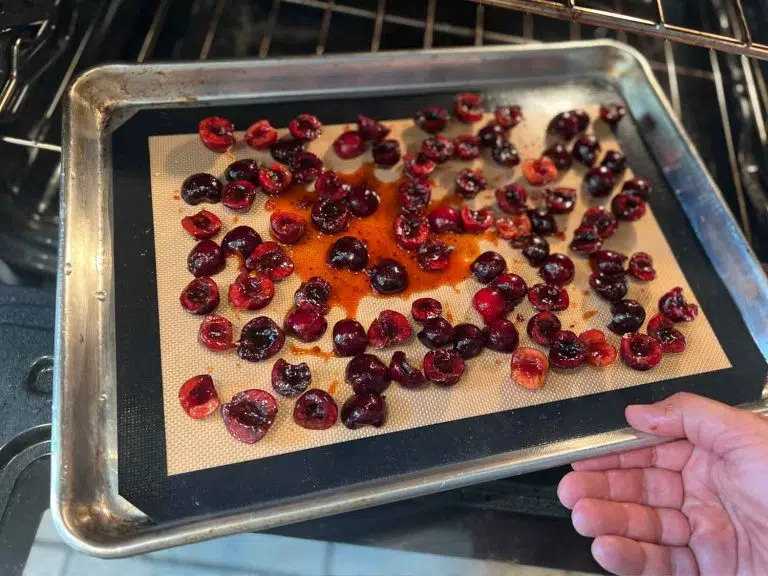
[(348, 145), (305, 127), (202, 225), (432, 119), (612, 113), (598, 181), (675, 307), (313, 295), (274, 179), (505, 154), (548, 298), (260, 135), (512, 287), (329, 185), (637, 187), (444, 219), (529, 368), (607, 262), (508, 116), (238, 195), (476, 221), (305, 325), (206, 259), (557, 269), (410, 231), (436, 333), (425, 309), (560, 155), (468, 340), (542, 222), (487, 266), (501, 335), (443, 367), (270, 259), (568, 124), (416, 166), (386, 152), (285, 149), (586, 240), (537, 251), (640, 351), (567, 351), (370, 129), (434, 255), (542, 328), (363, 201), (287, 227), (349, 338), (201, 187), (388, 277), (215, 333), (469, 183), (466, 147), (245, 169), (305, 167), (628, 207), (610, 287), (437, 148), (389, 328), (469, 107), (200, 296), (517, 229), (315, 410), (560, 200), (260, 339), (512, 199), (290, 380), (348, 252), (663, 329), (615, 161), (539, 172), (240, 240), (600, 218), (364, 410), (600, 352), (586, 149), (641, 266), (492, 136), (367, 374), (413, 197), (198, 396), (626, 316), (329, 216), (490, 304), (401, 371), (251, 291), (216, 133), (250, 414)]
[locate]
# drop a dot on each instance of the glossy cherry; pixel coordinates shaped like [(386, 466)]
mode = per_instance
[(567, 124), (386, 152), (537, 251), (506, 154), (637, 187), (560, 155), (240, 240), (476, 221), (529, 368), (370, 129), (434, 255), (200, 296), (641, 266), (466, 147), (413, 197), (270, 259), (287, 227), (305, 127), (628, 207), (329, 216), (560, 200), (626, 316), (363, 201), (612, 113), (348, 252), (567, 351), (216, 133), (410, 231), (586, 240), (290, 380), (274, 179), (329, 185), (367, 374), (201, 187), (260, 339), (239, 195), (598, 181), (600, 218), (508, 116), (615, 161), (640, 351), (251, 291), (512, 199), (313, 295), (425, 309), (436, 333), (501, 335), (349, 338), (388, 277), (542, 328), (663, 329), (468, 340), (205, 259), (315, 410), (675, 307), (585, 149), (512, 287), (610, 287), (443, 367), (469, 107), (250, 415), (548, 298), (444, 219), (417, 166), (539, 172), (607, 262), (487, 266), (202, 225), (542, 222), (437, 148), (215, 333), (557, 269), (245, 169), (305, 325), (364, 410), (469, 183), (431, 119), (492, 135), (348, 145), (402, 372), (285, 149), (305, 167), (389, 328), (260, 135), (600, 352), (198, 396), (490, 304), (516, 228)]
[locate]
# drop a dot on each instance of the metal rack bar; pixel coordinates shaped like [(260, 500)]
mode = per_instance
[(148, 46), (378, 25), (429, 29), (479, 24), (211, 34), (325, 27), (266, 42)]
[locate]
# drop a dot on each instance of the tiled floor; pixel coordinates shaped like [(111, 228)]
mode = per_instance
[(261, 555)]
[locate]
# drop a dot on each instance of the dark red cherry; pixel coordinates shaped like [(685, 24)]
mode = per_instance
[(370, 129), (216, 133), (469, 107), (628, 207), (437, 148), (542, 222), (600, 218), (469, 183), (313, 295), (348, 252), (290, 380), (443, 367), (201, 187), (436, 333), (607, 262), (626, 316), (501, 335), (305, 127), (367, 374), (239, 195), (388, 277), (250, 415), (241, 240), (557, 269), (260, 135), (548, 298), (637, 187), (246, 169), (305, 167), (305, 325), (675, 307), (487, 266), (251, 291), (410, 231), (389, 328), (206, 259), (198, 396), (512, 199), (215, 333), (610, 287), (506, 155), (260, 339), (315, 410), (275, 179), (444, 219), (476, 221), (567, 351), (508, 116), (615, 161), (640, 351), (586, 240), (386, 152), (641, 266), (270, 259), (512, 287), (537, 251), (329, 185), (402, 372), (560, 155), (200, 296), (492, 135), (585, 149), (490, 304), (431, 119), (598, 181), (285, 149), (466, 147), (560, 200), (568, 124), (349, 338), (363, 201), (542, 328), (468, 340), (417, 166), (612, 113), (349, 144), (413, 197), (364, 410), (424, 309), (663, 329), (434, 255), (329, 216), (287, 227), (202, 225)]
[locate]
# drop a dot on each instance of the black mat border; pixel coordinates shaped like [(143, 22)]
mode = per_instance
[(141, 437)]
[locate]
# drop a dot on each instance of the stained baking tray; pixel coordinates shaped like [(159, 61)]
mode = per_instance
[(106, 254)]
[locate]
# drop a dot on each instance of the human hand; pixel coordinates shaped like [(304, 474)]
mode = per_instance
[(697, 505)]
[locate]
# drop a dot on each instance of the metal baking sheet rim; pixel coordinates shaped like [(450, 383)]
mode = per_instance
[(88, 512)]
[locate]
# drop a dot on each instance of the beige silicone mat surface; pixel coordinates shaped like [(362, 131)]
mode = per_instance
[(485, 386)]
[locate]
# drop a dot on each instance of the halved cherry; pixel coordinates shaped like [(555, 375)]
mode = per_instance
[(600, 352), (600, 218), (260, 339), (274, 179), (410, 232), (251, 291), (239, 195), (628, 207), (437, 148), (287, 227), (198, 396), (206, 259), (466, 146), (260, 135), (567, 351), (202, 225), (417, 166), (663, 329), (313, 295), (508, 116), (349, 144), (315, 410), (329, 216), (431, 119), (476, 221), (557, 269), (240, 240), (512, 199), (506, 154), (539, 172), (675, 307), (329, 185), (542, 328), (288, 379), (612, 112), (641, 266), (200, 296), (469, 107), (434, 255), (402, 372), (305, 324), (469, 183), (512, 287), (515, 228), (216, 133), (586, 240), (215, 333), (640, 351), (305, 127), (389, 328), (444, 219), (443, 367), (490, 304), (370, 129), (270, 259), (249, 416), (529, 368), (560, 200), (548, 298), (305, 167)]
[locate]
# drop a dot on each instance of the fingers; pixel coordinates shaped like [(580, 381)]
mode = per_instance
[(708, 424), (624, 556), (650, 486), (654, 525), (672, 456)]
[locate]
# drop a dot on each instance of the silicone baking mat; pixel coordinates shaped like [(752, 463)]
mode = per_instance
[(485, 387)]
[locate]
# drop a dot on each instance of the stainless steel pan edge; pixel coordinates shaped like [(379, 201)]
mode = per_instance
[(88, 512)]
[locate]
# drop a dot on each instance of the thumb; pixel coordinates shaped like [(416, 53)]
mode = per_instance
[(706, 423)]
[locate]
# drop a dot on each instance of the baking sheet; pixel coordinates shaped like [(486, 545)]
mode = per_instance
[(194, 445)]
